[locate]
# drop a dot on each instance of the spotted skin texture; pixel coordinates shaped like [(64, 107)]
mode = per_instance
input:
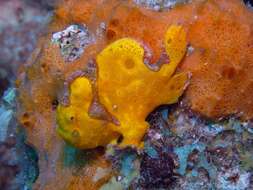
[(127, 88), (75, 125)]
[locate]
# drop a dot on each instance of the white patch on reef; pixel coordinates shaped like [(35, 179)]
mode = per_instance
[(190, 50), (100, 173), (158, 5), (113, 184), (6, 112), (157, 136), (5, 118), (242, 183), (9, 95), (72, 41), (101, 29)]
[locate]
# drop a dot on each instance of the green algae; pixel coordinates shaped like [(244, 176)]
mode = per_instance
[(73, 157), (183, 153)]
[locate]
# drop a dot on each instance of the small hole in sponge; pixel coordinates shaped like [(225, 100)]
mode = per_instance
[(120, 139), (54, 104), (228, 72), (27, 124), (110, 34), (25, 115), (114, 22), (172, 87), (169, 41), (129, 63)]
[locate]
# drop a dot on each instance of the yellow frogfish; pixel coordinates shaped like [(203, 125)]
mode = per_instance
[(127, 88)]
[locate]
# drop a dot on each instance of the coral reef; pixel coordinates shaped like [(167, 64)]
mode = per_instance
[(219, 64), (17, 40), (221, 67), (8, 171), (20, 25), (190, 151), (157, 171), (18, 160), (159, 5), (123, 86), (72, 41), (197, 153)]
